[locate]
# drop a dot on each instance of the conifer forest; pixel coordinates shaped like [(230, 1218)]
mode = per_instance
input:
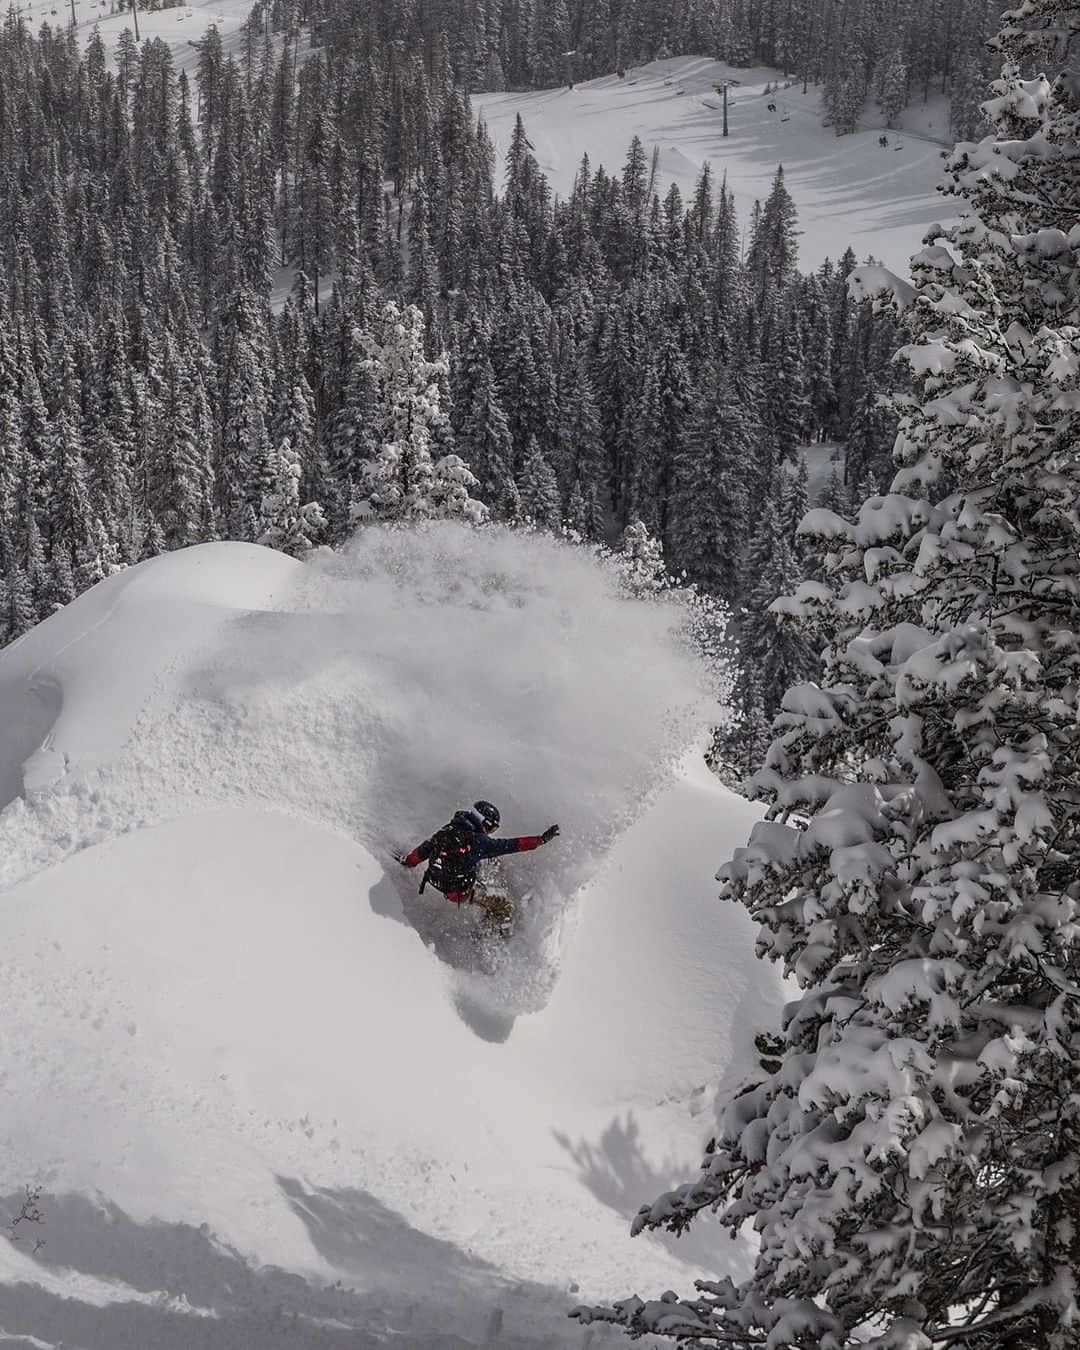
[(291, 290), (194, 283)]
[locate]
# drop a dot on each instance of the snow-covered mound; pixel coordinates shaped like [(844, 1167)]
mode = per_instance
[(848, 190), (272, 1095)]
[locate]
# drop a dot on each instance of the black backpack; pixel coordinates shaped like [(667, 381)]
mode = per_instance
[(449, 868)]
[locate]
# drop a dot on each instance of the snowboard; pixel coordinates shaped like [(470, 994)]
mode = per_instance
[(497, 916), (493, 897)]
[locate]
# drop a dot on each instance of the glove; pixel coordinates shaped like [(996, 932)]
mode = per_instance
[(400, 857), (549, 834)]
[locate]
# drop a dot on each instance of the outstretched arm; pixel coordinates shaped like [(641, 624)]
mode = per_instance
[(419, 853), (524, 843)]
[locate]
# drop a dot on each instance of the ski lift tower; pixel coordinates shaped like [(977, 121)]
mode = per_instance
[(568, 61), (722, 89)]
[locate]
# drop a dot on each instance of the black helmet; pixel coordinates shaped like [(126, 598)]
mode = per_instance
[(488, 814)]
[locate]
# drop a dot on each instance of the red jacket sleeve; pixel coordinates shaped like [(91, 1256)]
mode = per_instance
[(498, 848), (419, 853)]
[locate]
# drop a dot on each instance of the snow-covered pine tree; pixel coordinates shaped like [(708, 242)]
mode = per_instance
[(351, 443), (873, 430), (481, 428), (640, 561), (913, 1167), (402, 481), (16, 604), (539, 488), (180, 478), (773, 248), (892, 85), (773, 652), (709, 496), (284, 523), (845, 87), (968, 89), (794, 501), (240, 344), (820, 392), (786, 403), (770, 643)]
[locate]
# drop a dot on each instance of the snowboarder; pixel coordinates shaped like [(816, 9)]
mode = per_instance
[(455, 852)]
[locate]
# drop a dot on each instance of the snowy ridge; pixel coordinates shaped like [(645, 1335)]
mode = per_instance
[(237, 1037)]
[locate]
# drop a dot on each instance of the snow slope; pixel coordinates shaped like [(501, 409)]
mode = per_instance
[(274, 1097), (848, 189), (181, 26)]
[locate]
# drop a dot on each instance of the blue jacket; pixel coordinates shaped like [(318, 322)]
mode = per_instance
[(482, 846)]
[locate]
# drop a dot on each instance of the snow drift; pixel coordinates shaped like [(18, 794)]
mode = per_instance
[(272, 1094)]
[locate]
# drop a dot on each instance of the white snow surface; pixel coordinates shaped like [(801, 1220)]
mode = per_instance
[(181, 26), (274, 1097), (847, 189)]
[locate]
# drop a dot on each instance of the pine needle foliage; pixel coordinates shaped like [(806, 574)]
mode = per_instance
[(912, 1168)]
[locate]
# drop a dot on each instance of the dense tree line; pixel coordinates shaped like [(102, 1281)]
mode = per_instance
[(611, 358), (892, 54)]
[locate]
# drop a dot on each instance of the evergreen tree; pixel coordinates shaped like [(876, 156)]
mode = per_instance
[(892, 86), (786, 397), (640, 560), (870, 440), (618, 386), (539, 490), (17, 609), (770, 643), (69, 519), (911, 1167), (580, 456), (315, 230), (845, 89), (179, 472), (241, 472), (709, 498), (352, 425), (111, 443), (818, 370), (283, 523), (968, 91), (773, 244), (481, 428), (38, 572), (663, 431), (423, 283), (402, 481), (794, 501)]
